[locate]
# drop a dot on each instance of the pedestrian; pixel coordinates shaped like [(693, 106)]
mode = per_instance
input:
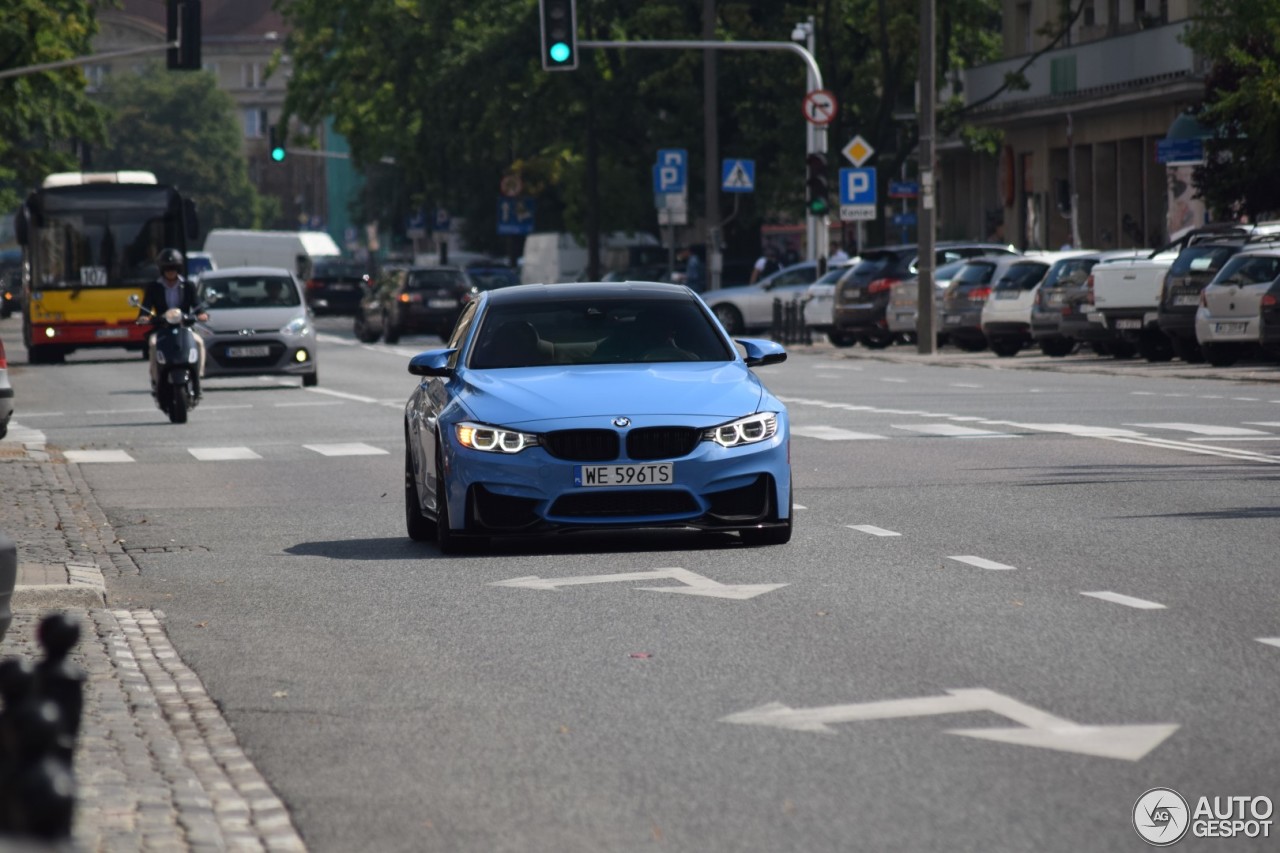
[(767, 264), (695, 274), (838, 256)]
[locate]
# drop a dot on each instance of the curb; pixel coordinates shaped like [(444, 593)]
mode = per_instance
[(85, 588)]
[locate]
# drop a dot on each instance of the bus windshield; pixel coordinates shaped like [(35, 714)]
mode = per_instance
[(95, 236)]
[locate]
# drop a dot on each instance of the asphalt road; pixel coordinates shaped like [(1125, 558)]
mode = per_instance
[(1073, 552)]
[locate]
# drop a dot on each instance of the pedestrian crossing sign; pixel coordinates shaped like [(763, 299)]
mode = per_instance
[(738, 176)]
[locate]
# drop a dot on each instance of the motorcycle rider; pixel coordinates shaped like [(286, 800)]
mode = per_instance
[(170, 290)]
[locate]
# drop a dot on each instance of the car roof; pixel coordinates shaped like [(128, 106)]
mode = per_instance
[(234, 272), (532, 293), (436, 268)]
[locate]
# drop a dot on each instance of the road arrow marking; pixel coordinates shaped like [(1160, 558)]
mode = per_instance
[(694, 583), (1035, 727)]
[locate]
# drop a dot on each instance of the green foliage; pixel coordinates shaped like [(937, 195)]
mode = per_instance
[(186, 130), (42, 114), (454, 90), (1241, 38)]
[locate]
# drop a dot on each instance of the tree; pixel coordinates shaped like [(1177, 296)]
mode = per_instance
[(186, 130), (43, 114), (1241, 107)]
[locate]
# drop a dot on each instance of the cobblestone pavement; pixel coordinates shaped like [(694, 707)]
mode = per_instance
[(157, 767)]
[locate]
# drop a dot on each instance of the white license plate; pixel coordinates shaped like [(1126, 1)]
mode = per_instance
[(1128, 324), (1008, 294), (1086, 308), (952, 319), (1230, 328), (342, 288), (1187, 299), (653, 474), (441, 303), (909, 315), (249, 352), (1055, 299), (111, 333)]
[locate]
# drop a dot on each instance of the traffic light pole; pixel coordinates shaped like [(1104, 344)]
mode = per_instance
[(85, 60), (815, 136)]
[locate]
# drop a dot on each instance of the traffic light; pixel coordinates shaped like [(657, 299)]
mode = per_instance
[(183, 27), (559, 34), (816, 184), (277, 144)]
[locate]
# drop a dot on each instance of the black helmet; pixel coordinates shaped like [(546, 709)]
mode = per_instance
[(170, 259)]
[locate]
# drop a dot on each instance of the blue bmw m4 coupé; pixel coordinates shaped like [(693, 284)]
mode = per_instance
[(591, 407)]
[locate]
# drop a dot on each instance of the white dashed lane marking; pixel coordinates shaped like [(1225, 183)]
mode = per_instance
[(983, 563), (97, 456), (1126, 600), (872, 529), (222, 454), (1202, 429), (829, 433), (1270, 641), (352, 449), (953, 431)]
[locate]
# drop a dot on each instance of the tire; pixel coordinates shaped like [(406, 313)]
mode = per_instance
[(729, 317), (1006, 349), (311, 380), (419, 527), (780, 535), (1188, 350), (45, 355), (177, 403), (1122, 349), (1057, 347), (970, 344), (841, 339), (1100, 348), (390, 333), (448, 540), (1155, 347), (877, 340), (362, 331), (1221, 355)]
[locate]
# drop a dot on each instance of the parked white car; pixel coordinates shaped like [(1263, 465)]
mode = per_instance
[(821, 297), (1006, 316), (1228, 321)]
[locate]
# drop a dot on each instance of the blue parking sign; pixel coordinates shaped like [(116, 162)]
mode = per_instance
[(858, 186)]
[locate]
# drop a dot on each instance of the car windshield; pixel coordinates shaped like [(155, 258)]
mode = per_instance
[(872, 264), (1250, 269), (1069, 272), (1201, 259), (608, 330), (834, 274), (338, 269), (488, 279), (975, 272), (1023, 276), (249, 291), (435, 279)]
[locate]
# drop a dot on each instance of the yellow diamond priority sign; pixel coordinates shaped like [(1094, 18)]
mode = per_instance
[(858, 151)]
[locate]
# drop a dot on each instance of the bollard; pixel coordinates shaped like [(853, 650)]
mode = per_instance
[(8, 578), (40, 711)]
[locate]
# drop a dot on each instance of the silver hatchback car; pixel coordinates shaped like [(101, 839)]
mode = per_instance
[(259, 324)]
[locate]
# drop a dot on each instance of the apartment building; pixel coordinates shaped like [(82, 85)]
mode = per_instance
[(1088, 129), (239, 40)]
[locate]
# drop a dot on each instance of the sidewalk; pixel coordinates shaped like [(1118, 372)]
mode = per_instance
[(157, 766)]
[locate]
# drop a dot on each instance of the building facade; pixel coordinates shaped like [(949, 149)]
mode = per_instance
[(1080, 161)]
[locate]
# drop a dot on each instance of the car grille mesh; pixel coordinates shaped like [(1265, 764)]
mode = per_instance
[(582, 445), (661, 442), (594, 504)]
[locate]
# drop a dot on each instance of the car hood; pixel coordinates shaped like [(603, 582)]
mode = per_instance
[(533, 396), (259, 319)]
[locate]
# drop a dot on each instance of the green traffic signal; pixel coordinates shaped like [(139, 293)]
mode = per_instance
[(559, 52), (277, 154), (818, 207)]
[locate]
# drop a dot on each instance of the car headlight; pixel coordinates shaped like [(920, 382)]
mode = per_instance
[(493, 439), (297, 327), (748, 430)]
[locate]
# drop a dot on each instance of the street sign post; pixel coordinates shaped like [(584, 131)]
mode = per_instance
[(515, 216)]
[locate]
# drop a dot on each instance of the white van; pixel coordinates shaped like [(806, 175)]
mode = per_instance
[(557, 256), (292, 250)]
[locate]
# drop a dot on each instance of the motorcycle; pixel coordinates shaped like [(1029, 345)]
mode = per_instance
[(178, 364)]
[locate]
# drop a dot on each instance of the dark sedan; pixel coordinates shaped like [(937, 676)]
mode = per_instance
[(415, 301), (336, 285)]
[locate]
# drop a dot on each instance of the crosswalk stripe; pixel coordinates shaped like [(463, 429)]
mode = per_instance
[(953, 431), (983, 563), (351, 449), (872, 529), (97, 456), (1126, 600), (222, 454), (830, 433), (1202, 429)]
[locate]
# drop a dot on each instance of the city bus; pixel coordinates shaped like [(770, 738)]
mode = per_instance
[(89, 242)]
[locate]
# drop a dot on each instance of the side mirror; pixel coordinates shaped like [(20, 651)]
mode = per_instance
[(760, 352), (433, 362), (134, 300)]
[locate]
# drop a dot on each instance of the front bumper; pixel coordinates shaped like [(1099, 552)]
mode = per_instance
[(284, 356), (713, 488)]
